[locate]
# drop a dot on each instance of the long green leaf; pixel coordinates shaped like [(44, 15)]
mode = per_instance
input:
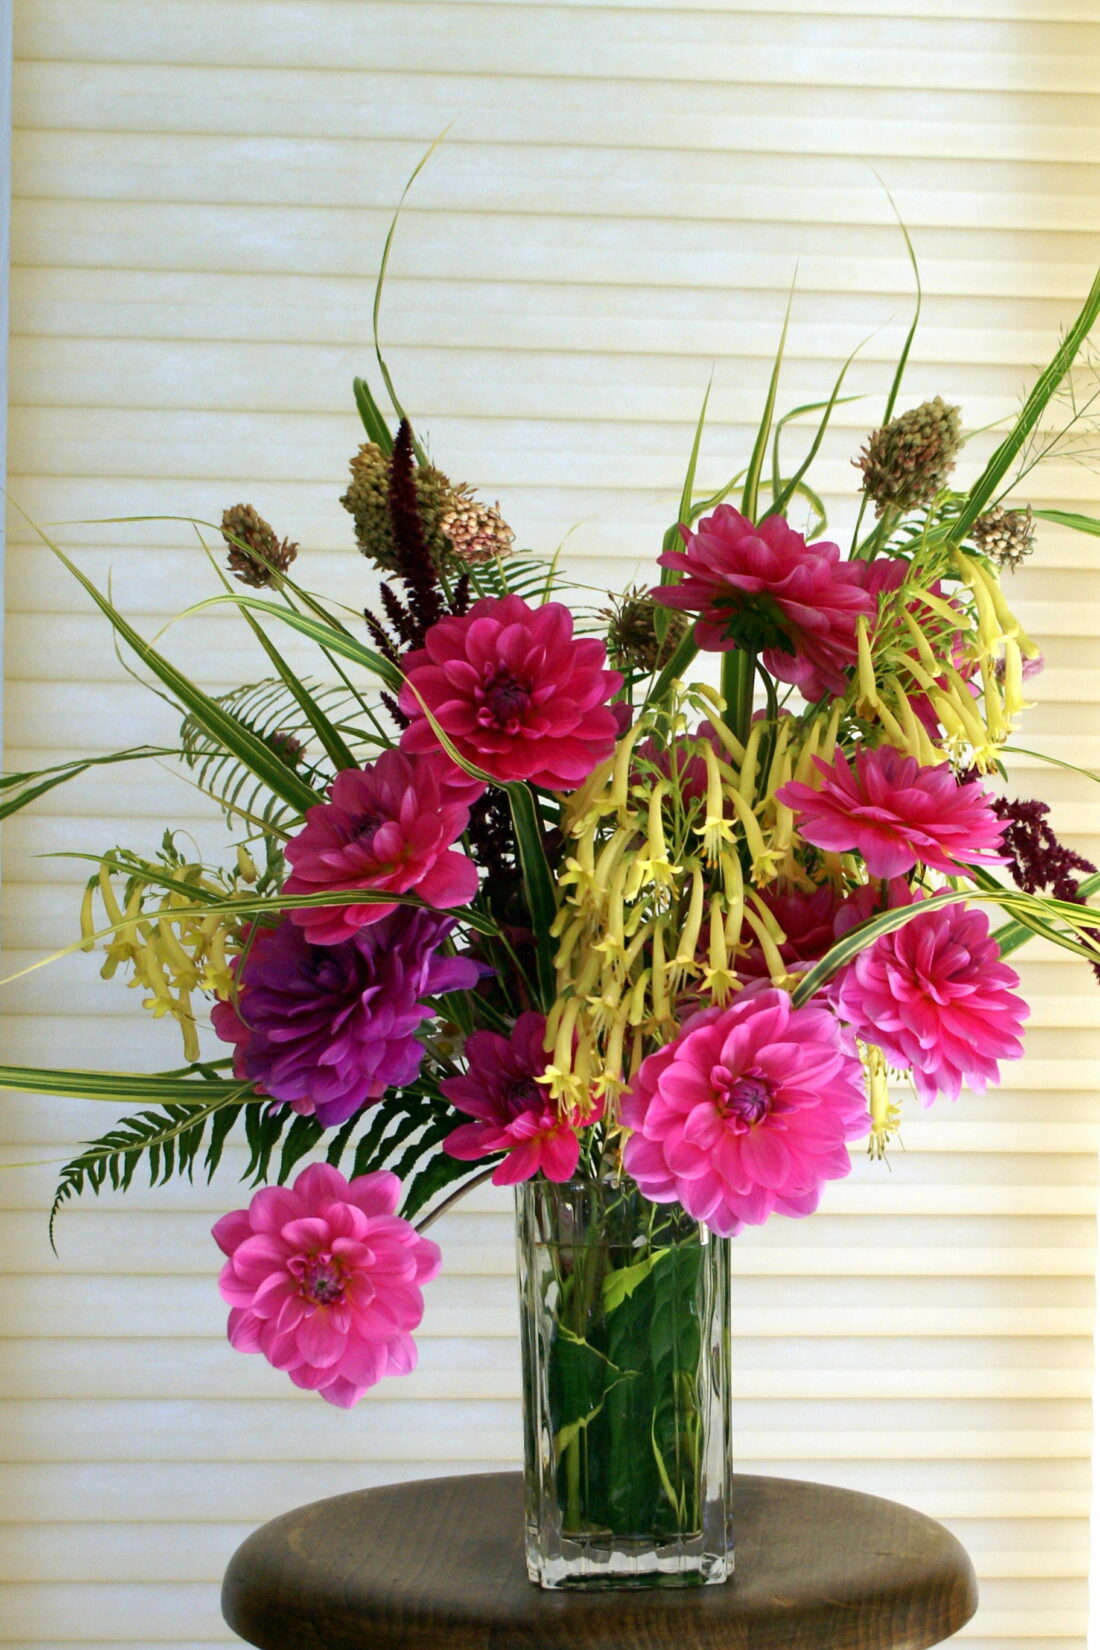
[(370, 412), (858, 939), (537, 882), (421, 456), (63, 772), (1014, 934), (264, 763), (325, 634), (126, 1086), (1069, 518), (259, 906), (1046, 384), (903, 358), (760, 448)]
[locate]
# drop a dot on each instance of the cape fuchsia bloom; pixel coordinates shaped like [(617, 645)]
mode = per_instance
[(935, 997), (328, 1029), (896, 814), (764, 588), (324, 1279), (387, 827), (514, 692), (746, 1112), (515, 1115)]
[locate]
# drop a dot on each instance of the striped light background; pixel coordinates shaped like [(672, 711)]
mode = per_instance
[(202, 189)]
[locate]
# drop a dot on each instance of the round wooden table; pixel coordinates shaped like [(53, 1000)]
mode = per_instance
[(438, 1565)]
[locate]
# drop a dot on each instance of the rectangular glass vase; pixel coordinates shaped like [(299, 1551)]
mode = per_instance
[(624, 1308)]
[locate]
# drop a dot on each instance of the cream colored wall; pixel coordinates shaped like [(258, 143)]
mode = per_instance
[(202, 190)]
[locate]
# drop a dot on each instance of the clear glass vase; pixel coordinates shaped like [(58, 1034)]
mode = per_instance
[(624, 1308)]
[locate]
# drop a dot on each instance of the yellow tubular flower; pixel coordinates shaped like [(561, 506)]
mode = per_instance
[(728, 740), (636, 1010), (828, 743), (659, 988), (921, 643), (994, 704), (1014, 679), (868, 693), (893, 731), (609, 1084), (684, 962), (620, 773), (246, 865), (919, 740), (87, 918), (718, 980), (777, 968), (735, 899), (885, 1116), (764, 859), (779, 769), (716, 828), (746, 783), (804, 770)]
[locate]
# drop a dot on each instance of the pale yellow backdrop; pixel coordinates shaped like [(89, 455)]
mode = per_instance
[(202, 188)]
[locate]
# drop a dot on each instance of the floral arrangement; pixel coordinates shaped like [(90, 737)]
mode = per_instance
[(510, 893)]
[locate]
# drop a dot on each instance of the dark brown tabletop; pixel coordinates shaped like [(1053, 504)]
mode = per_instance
[(438, 1565)]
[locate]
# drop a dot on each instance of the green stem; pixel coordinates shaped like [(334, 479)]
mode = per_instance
[(738, 668)]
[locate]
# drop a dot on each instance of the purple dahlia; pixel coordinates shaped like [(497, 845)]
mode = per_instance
[(327, 1029)]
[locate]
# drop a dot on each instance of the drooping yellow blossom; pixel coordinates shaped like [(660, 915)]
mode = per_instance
[(885, 1115)]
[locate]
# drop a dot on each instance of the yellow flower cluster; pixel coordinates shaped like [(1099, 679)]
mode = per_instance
[(672, 838), (675, 836), (172, 955)]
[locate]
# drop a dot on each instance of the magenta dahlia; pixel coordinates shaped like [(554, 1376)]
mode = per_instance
[(896, 813), (324, 1279), (764, 588), (935, 997), (514, 1113), (328, 1028), (746, 1112), (388, 827), (517, 695)]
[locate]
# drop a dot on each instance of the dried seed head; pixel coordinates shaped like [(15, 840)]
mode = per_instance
[(632, 642), (1005, 536), (366, 502), (255, 551), (908, 461), (475, 532)]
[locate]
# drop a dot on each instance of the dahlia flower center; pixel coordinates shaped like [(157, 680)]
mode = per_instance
[(321, 1279), (366, 828), (524, 1094), (503, 701), (743, 1097)]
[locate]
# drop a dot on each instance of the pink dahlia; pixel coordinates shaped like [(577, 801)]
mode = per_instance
[(328, 1028), (764, 588), (388, 827), (515, 1114), (324, 1279), (896, 813), (514, 692), (935, 997), (746, 1112)]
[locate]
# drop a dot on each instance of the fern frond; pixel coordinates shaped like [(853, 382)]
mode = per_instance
[(529, 577), (169, 1140), (269, 710)]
